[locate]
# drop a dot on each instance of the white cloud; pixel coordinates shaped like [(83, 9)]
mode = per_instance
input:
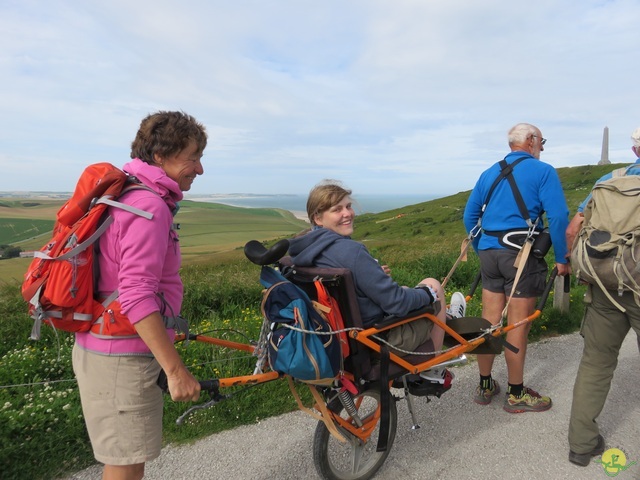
[(401, 97)]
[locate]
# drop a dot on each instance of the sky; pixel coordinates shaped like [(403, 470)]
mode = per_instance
[(388, 96)]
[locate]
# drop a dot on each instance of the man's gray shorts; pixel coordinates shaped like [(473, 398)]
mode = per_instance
[(498, 273)]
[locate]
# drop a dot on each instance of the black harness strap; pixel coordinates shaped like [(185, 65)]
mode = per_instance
[(508, 169), (385, 399)]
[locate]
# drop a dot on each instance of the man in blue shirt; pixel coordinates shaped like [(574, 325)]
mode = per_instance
[(604, 328), (541, 192)]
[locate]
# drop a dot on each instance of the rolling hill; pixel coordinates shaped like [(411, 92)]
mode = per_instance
[(438, 223), (209, 230)]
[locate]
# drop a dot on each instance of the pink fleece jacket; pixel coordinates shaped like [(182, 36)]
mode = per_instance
[(140, 258)]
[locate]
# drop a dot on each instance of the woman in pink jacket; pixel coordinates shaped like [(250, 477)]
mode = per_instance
[(140, 259)]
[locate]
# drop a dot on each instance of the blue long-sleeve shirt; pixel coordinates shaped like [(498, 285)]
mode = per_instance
[(541, 190)]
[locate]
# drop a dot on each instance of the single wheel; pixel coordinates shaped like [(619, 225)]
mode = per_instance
[(356, 459)]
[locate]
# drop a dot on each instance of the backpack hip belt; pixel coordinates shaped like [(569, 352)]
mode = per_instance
[(113, 324)]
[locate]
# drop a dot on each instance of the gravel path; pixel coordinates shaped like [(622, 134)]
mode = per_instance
[(457, 439)]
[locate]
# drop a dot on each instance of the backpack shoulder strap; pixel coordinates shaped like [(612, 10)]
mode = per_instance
[(124, 206), (132, 184), (621, 172)]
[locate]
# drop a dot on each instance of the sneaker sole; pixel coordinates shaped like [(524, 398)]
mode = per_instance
[(525, 409)]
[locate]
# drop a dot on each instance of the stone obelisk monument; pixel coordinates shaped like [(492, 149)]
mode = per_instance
[(604, 156)]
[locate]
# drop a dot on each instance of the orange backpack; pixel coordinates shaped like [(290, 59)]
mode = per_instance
[(59, 283)]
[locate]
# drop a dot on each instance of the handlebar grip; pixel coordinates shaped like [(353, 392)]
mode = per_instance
[(210, 386), (547, 290), (162, 382), (475, 283)]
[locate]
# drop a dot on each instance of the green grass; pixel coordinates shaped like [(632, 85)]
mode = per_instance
[(42, 433), (15, 230)]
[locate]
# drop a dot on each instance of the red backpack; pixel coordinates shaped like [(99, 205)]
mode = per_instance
[(328, 307), (59, 283)]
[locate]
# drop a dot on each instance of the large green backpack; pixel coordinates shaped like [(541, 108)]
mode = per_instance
[(606, 252)]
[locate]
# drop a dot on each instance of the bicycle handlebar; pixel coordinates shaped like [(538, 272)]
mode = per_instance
[(212, 387)]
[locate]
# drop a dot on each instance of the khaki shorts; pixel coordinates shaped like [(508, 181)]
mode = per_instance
[(122, 406), (410, 335)]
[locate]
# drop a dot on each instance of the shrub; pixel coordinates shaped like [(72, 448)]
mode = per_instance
[(42, 431)]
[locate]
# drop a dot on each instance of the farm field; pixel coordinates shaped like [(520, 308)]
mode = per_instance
[(207, 230)]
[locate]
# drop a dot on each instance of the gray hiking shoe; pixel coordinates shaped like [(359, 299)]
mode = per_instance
[(529, 401), (483, 396)]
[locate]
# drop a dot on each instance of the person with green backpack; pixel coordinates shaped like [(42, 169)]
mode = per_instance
[(610, 311)]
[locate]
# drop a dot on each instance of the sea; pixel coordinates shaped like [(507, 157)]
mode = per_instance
[(297, 203)]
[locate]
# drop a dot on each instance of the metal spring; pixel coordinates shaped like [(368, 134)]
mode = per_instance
[(347, 402)]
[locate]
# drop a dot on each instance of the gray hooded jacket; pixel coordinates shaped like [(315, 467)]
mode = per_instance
[(378, 294)]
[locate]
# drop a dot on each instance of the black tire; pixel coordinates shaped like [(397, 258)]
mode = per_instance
[(353, 460)]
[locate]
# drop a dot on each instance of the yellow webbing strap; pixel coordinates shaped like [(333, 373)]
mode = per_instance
[(324, 415), (520, 262), (462, 258)]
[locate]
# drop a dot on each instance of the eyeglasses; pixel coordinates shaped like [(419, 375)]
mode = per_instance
[(542, 140)]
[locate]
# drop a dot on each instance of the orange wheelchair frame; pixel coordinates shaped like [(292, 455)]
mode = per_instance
[(359, 407)]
